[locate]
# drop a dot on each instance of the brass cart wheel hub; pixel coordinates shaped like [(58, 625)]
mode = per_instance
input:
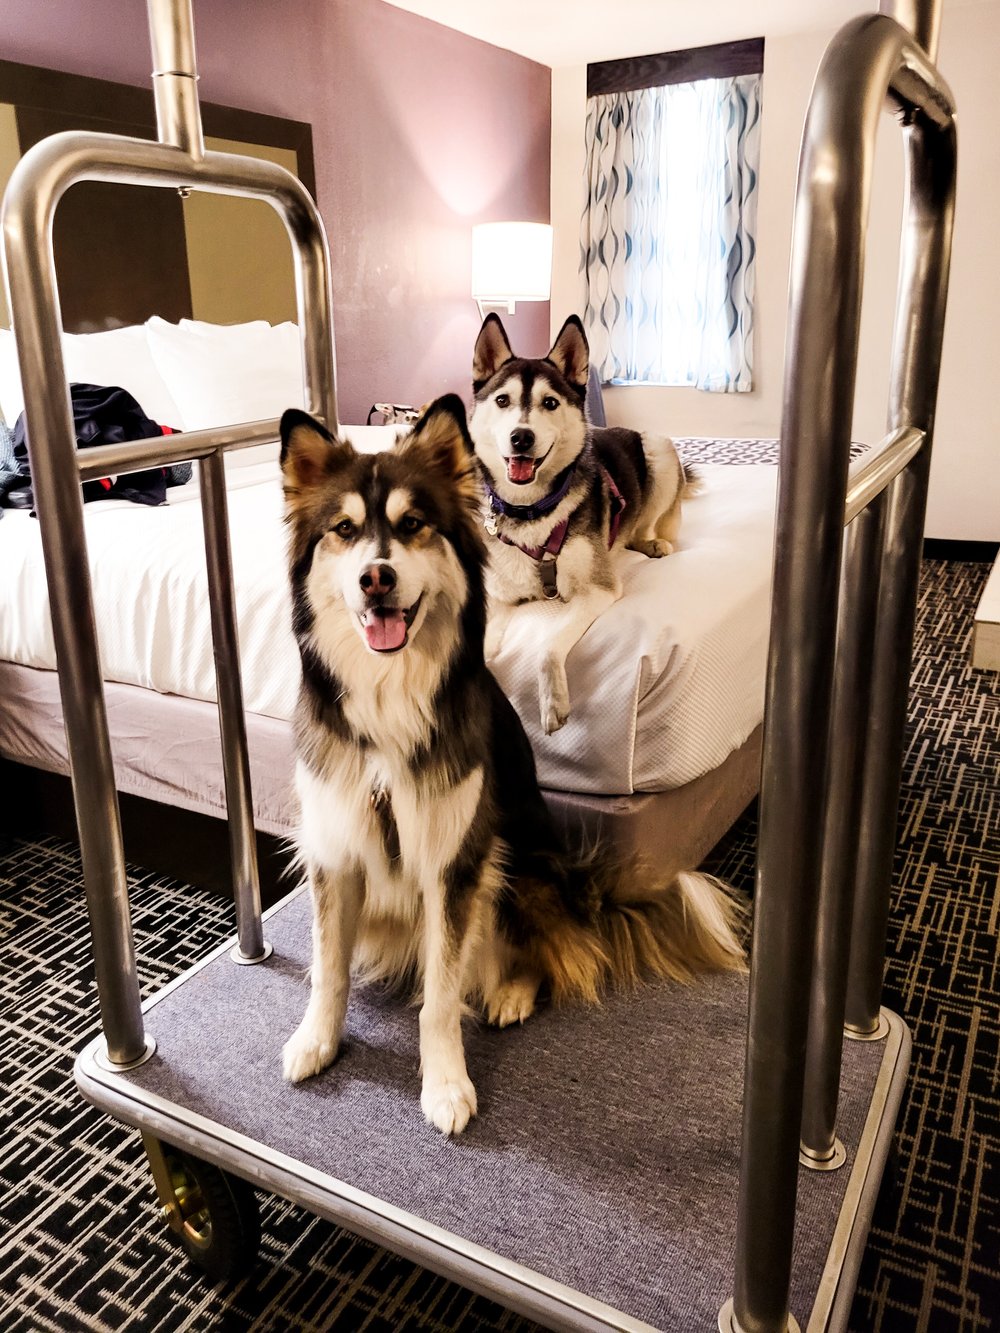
[(196, 1223)]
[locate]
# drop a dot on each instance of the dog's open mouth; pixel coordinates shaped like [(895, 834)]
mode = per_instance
[(387, 627), (521, 470)]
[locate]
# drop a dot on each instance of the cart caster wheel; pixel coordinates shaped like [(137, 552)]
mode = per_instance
[(214, 1216)]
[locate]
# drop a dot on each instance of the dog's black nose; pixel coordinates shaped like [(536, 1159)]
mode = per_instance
[(522, 439), (378, 579)]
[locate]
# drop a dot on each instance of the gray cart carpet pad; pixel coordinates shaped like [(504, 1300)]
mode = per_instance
[(605, 1153)]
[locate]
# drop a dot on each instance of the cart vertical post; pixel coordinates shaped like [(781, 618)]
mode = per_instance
[(41, 178), (852, 693), (919, 329), (872, 59), (815, 443), (34, 305), (175, 76), (251, 947)]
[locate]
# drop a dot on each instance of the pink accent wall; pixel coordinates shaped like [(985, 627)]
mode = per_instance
[(418, 132)]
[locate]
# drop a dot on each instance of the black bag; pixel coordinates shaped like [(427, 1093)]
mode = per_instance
[(102, 414)]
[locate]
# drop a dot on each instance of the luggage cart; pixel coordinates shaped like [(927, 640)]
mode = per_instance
[(671, 1159)]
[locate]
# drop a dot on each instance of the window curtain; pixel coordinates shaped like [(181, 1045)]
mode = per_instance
[(667, 238)]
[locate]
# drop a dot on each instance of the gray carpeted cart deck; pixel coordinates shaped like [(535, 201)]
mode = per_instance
[(604, 1159)]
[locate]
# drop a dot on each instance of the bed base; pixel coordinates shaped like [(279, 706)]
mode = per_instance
[(166, 751), (826, 836), (183, 845)]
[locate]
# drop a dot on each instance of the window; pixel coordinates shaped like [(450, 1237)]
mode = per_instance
[(667, 243)]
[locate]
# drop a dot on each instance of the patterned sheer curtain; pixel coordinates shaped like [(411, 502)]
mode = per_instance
[(667, 239)]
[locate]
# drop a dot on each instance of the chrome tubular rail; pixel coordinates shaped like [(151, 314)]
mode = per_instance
[(869, 475), (41, 178), (101, 459), (175, 76), (822, 831)]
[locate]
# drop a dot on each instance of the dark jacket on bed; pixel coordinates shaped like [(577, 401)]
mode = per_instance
[(101, 415)]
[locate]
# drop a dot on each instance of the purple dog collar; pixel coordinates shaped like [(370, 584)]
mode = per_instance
[(557, 537), (547, 554), (528, 513)]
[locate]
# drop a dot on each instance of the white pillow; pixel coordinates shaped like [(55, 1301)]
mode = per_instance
[(372, 439), (116, 356), (365, 439), (222, 332), (123, 357), (222, 374)]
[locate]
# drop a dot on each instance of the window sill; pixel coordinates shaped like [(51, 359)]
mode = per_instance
[(649, 384), (673, 384)]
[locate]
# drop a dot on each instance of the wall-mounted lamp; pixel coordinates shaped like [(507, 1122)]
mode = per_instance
[(511, 261)]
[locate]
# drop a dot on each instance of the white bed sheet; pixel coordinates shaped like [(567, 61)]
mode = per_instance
[(663, 687)]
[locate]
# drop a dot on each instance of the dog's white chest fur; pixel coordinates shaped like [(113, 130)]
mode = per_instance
[(343, 829), (512, 575)]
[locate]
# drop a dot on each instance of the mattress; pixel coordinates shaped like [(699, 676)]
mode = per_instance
[(663, 687)]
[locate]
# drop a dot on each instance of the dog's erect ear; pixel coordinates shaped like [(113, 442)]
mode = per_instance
[(441, 443), (309, 453), (492, 350), (570, 354)]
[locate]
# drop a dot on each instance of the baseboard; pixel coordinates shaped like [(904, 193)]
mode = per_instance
[(943, 548)]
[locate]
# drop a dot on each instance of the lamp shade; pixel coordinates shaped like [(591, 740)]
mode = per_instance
[(511, 261)]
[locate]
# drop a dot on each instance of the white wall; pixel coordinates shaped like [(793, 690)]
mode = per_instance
[(965, 471), (965, 482)]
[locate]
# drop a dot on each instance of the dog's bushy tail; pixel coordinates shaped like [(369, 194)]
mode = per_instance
[(693, 483), (617, 931)]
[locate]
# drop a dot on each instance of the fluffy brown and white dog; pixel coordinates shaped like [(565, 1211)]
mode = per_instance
[(562, 497), (431, 855)]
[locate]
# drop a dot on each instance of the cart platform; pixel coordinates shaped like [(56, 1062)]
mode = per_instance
[(604, 1159)]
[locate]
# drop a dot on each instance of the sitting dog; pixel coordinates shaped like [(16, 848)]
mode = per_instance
[(562, 496), (431, 856)]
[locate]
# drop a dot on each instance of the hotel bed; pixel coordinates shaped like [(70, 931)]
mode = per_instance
[(661, 750)]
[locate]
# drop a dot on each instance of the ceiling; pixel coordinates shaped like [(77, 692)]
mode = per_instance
[(576, 32)]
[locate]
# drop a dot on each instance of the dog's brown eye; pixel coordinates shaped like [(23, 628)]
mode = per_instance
[(411, 524), (550, 404), (502, 400), (345, 528)]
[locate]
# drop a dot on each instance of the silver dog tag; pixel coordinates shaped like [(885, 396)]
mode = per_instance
[(490, 523)]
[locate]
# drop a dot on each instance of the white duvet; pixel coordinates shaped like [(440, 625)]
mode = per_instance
[(662, 688)]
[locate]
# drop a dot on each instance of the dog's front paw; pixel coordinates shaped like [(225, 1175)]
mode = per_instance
[(654, 549), (553, 695), (307, 1052), (448, 1106)]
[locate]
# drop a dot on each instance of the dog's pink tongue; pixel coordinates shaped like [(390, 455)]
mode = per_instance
[(521, 469), (386, 631)]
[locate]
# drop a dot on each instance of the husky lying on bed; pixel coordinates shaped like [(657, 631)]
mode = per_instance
[(562, 496), (431, 855)]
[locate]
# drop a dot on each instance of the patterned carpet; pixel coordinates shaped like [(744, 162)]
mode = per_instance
[(81, 1246)]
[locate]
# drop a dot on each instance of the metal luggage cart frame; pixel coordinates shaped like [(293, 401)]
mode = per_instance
[(841, 633)]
